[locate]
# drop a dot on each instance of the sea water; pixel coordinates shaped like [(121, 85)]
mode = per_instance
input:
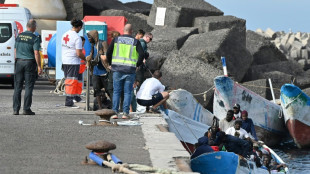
[(298, 160)]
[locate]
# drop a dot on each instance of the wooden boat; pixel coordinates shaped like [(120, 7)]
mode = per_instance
[(188, 131), (229, 163), (184, 103), (296, 110), (224, 163), (189, 114), (267, 116)]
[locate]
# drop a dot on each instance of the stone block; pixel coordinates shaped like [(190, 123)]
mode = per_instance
[(277, 80), (139, 7), (306, 91), (304, 54), (181, 13), (291, 67), (298, 35), (305, 42), (270, 33), (302, 62), (156, 60), (211, 46), (285, 38), (95, 7), (190, 73), (211, 23), (259, 86), (164, 41), (262, 50), (137, 20), (294, 54), (291, 39), (259, 31), (169, 39), (297, 45)]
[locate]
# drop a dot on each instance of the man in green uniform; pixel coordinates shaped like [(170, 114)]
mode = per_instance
[(27, 66)]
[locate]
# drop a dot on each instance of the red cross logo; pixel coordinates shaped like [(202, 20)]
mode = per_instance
[(49, 37), (66, 39)]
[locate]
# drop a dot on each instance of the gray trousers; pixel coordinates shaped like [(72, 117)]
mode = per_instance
[(25, 71)]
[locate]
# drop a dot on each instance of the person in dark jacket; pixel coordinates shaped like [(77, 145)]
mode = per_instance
[(27, 67), (247, 124), (234, 144), (124, 54), (202, 147)]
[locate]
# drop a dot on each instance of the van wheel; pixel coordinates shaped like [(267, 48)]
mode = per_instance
[(13, 84)]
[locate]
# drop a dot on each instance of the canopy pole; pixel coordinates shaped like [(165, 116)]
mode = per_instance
[(271, 89)]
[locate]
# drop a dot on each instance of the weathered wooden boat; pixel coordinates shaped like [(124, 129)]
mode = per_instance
[(296, 110), (224, 163), (186, 129), (189, 114), (229, 163), (184, 103), (189, 131), (267, 116)]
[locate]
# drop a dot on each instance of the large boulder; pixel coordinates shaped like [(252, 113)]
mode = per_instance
[(277, 80), (137, 20), (139, 7), (181, 13), (259, 87), (169, 39), (211, 46), (211, 23), (291, 67), (190, 73), (164, 41), (156, 60), (262, 50), (94, 7), (302, 80)]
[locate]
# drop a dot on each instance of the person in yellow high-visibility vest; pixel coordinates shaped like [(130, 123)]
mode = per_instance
[(124, 54)]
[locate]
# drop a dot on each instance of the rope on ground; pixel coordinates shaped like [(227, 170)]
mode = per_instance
[(60, 88)]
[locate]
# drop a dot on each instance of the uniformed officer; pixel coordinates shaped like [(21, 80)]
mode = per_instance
[(124, 54), (27, 67)]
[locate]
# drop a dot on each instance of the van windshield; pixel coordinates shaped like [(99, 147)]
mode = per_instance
[(5, 32)]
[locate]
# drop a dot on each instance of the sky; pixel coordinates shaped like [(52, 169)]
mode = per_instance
[(279, 15)]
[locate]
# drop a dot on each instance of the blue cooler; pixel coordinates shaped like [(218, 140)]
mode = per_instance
[(101, 27)]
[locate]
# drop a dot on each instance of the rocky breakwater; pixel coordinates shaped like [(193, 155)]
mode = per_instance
[(295, 46)]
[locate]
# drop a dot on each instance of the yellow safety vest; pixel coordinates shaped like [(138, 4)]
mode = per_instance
[(124, 52)]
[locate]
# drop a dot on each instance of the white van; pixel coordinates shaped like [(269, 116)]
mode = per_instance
[(13, 20), (18, 14), (8, 34)]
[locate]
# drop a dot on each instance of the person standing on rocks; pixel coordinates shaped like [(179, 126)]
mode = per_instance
[(72, 54), (147, 38), (124, 54), (27, 67)]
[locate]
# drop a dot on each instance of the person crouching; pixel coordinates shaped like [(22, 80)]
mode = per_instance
[(151, 92)]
